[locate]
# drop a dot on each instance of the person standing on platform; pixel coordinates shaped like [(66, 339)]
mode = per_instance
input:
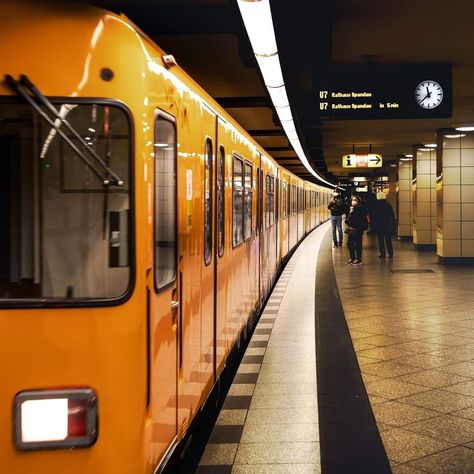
[(336, 206), (384, 224), (356, 223)]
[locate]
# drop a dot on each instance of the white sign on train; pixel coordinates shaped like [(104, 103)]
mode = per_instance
[(354, 160)]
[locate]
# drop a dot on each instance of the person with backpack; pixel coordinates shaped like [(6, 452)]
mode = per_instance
[(356, 223), (336, 206)]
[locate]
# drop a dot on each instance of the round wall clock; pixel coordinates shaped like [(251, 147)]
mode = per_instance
[(428, 94)]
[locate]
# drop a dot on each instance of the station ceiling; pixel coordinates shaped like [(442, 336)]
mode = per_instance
[(208, 39)]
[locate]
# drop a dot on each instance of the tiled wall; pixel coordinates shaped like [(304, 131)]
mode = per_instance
[(424, 198), (392, 187), (455, 195), (404, 200)]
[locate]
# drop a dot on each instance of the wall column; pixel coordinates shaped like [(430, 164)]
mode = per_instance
[(392, 186), (404, 199), (455, 197), (424, 198)]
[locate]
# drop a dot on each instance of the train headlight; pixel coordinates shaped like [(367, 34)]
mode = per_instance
[(48, 419)]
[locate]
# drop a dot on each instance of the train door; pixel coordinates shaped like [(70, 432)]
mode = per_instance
[(208, 322), (163, 289), (221, 255)]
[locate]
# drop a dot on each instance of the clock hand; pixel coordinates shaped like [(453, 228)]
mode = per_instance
[(425, 97)]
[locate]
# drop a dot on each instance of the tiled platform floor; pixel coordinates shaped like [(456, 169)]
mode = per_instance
[(269, 421), (414, 338)]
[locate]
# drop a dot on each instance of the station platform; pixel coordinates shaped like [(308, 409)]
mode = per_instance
[(355, 369)]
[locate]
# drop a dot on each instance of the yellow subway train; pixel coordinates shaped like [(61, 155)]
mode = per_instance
[(143, 229)]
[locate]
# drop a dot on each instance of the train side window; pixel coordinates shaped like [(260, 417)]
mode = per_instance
[(165, 202), (259, 203), (270, 203), (267, 204), (247, 202), (221, 202), (272, 200), (290, 199), (260, 180), (277, 197), (293, 199), (208, 202), (237, 202), (283, 200)]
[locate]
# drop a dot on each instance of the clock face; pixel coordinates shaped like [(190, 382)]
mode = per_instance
[(428, 94)]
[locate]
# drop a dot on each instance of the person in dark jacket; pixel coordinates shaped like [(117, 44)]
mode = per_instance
[(336, 206), (356, 223), (383, 222)]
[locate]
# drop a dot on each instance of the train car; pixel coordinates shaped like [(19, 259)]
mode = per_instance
[(144, 230)]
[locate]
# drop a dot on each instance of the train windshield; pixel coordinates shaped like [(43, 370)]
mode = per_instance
[(65, 234)]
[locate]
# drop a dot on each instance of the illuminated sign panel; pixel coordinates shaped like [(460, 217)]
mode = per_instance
[(374, 91), (371, 160)]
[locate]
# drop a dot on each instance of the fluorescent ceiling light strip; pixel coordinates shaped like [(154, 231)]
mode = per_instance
[(278, 96), (257, 18), (284, 114), (289, 127), (258, 21), (271, 70)]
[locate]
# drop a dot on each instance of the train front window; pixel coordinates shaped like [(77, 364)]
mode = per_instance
[(65, 234)]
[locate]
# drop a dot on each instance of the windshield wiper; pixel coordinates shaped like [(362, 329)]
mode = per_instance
[(107, 176)]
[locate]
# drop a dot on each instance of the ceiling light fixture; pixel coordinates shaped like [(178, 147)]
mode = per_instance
[(284, 114), (430, 145), (258, 22), (467, 128), (457, 135), (408, 155)]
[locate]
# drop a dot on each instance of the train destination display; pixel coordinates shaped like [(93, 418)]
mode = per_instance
[(357, 92)]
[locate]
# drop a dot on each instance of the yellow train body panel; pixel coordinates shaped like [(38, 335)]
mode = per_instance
[(152, 368)]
